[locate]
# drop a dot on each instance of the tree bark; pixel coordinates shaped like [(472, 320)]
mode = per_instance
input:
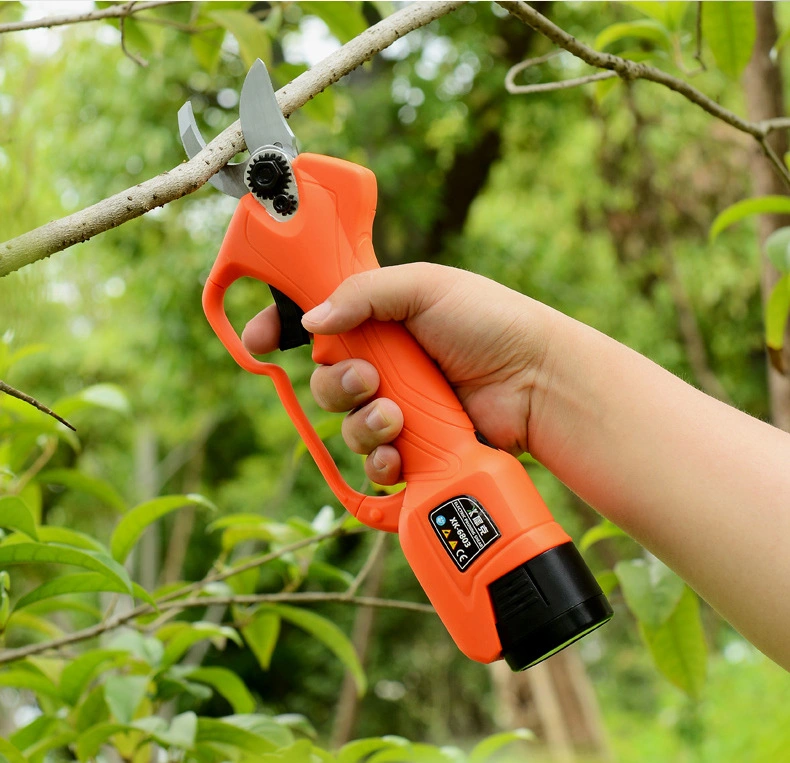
[(764, 100)]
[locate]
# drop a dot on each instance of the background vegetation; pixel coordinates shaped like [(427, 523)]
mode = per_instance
[(184, 470)]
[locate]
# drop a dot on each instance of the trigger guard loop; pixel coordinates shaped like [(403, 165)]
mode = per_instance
[(379, 512)]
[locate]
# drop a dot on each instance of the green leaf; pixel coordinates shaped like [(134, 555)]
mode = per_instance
[(15, 515), (44, 725), (670, 14), (206, 47), (188, 634), (262, 725), (244, 582), (651, 589), (42, 553), (182, 731), (9, 753), (124, 694), (651, 31), (678, 645), (345, 20), (360, 749), (66, 537), (132, 525), (298, 752), (34, 681), (145, 648), (37, 753), (729, 29), (237, 534), (328, 634), (82, 483), (327, 573), (297, 722), (760, 205), (485, 750), (91, 711), (776, 313), (777, 249), (106, 396), (225, 732), (227, 685), (35, 624), (89, 742), (608, 581), (251, 34), (136, 38), (261, 635), (77, 675), (601, 531), (78, 582)]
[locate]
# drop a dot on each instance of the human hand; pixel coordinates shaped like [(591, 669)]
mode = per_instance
[(489, 341)]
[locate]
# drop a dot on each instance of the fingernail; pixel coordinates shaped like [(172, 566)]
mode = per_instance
[(379, 464), (376, 420), (352, 383), (317, 315)]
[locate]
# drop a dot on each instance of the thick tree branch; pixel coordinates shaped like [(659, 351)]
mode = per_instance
[(118, 11), (189, 176), (631, 70)]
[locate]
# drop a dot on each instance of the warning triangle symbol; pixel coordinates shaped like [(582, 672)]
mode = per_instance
[(446, 533), (453, 544)]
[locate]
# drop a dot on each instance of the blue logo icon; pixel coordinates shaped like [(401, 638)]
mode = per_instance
[(441, 521)]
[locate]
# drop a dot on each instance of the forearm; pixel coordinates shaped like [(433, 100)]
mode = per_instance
[(703, 486)]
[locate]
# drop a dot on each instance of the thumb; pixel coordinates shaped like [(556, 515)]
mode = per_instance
[(387, 294)]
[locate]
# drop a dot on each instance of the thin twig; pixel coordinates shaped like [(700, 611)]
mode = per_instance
[(698, 34), (9, 390), (778, 123), (550, 87), (632, 70), (43, 459), (308, 597), (546, 87), (118, 11), (128, 53), (191, 175), (378, 545)]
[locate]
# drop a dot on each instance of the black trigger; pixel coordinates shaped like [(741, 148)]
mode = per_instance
[(292, 333)]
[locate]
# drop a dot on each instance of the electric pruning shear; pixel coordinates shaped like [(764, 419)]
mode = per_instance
[(505, 579)]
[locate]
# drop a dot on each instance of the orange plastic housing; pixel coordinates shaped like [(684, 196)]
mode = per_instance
[(306, 258)]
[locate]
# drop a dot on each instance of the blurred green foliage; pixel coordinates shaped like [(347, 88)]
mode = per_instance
[(596, 201)]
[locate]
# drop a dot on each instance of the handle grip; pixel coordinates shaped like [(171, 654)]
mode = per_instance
[(469, 514)]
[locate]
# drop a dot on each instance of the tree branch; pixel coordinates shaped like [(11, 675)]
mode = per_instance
[(118, 11), (9, 390), (632, 70), (175, 599), (375, 552), (128, 53), (189, 176)]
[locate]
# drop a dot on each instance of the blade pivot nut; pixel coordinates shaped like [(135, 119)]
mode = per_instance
[(267, 175)]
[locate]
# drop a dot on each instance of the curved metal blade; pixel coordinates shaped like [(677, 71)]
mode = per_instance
[(262, 122), (230, 179)]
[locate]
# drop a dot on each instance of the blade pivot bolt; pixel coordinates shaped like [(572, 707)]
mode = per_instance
[(267, 176)]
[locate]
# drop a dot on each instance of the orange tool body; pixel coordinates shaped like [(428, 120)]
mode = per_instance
[(469, 518)]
